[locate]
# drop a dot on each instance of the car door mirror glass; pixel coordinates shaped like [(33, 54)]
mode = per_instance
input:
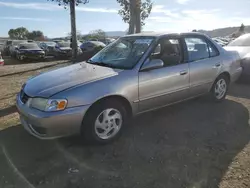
[(152, 64)]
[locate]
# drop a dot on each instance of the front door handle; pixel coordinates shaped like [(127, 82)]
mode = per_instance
[(183, 72)]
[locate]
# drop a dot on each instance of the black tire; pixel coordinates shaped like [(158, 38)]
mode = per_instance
[(88, 125), (213, 89)]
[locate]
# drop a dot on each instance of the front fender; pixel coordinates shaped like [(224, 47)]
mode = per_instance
[(125, 84)]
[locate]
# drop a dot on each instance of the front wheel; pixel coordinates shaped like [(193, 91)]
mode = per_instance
[(220, 88), (104, 122)]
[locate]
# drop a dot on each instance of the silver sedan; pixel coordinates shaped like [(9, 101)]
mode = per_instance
[(133, 75)]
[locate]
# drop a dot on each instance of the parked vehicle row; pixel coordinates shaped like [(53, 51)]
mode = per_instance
[(135, 74), (223, 41), (56, 48)]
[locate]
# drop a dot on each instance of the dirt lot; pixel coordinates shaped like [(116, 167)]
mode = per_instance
[(196, 144)]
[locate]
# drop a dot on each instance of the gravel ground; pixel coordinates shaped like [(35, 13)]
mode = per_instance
[(195, 144)]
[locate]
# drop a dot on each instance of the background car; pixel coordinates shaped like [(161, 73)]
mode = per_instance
[(6, 47), (48, 47), (13, 46), (90, 48), (26, 51), (62, 50), (242, 46)]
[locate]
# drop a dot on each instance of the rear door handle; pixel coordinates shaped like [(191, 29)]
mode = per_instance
[(183, 72)]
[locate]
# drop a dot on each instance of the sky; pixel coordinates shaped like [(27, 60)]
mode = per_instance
[(166, 15)]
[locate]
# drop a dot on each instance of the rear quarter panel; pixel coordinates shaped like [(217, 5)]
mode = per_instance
[(232, 64)]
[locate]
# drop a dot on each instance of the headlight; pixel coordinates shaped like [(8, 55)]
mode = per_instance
[(49, 105)]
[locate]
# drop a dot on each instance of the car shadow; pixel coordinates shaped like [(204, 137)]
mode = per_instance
[(8, 110), (241, 90), (187, 145)]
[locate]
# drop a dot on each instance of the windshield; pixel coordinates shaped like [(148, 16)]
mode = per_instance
[(243, 40), (63, 44), (124, 53), (29, 46)]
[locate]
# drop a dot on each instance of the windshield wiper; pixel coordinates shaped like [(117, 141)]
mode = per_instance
[(100, 64)]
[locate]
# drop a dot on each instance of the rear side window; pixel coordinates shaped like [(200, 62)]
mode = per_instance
[(197, 48), (212, 51)]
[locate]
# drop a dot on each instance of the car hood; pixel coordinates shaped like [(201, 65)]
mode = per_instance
[(50, 83), (242, 50)]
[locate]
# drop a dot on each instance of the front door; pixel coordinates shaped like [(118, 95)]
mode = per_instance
[(166, 85)]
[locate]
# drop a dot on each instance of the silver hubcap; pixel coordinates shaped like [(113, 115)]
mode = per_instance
[(108, 123), (220, 88)]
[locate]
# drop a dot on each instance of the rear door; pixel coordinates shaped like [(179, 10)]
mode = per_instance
[(204, 63)]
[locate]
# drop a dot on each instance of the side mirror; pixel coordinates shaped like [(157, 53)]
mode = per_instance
[(152, 64), (16, 48)]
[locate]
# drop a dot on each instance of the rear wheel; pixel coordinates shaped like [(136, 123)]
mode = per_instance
[(220, 88), (104, 122)]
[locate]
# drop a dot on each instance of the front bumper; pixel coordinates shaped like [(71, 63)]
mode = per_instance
[(64, 54), (51, 125), (33, 56)]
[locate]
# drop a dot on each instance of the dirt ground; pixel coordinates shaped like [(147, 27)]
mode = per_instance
[(196, 144)]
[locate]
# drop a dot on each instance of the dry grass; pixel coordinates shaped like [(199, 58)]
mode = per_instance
[(11, 79)]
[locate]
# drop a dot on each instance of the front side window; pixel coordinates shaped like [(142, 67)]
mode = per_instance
[(123, 53), (168, 50), (197, 49)]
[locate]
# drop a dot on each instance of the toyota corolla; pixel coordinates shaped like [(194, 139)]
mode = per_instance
[(133, 75)]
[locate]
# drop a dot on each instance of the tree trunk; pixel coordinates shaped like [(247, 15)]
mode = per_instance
[(132, 22), (73, 29), (138, 16)]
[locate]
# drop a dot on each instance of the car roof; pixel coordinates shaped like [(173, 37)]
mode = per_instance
[(161, 34)]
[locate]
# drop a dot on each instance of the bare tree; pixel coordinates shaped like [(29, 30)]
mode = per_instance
[(72, 4), (134, 12)]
